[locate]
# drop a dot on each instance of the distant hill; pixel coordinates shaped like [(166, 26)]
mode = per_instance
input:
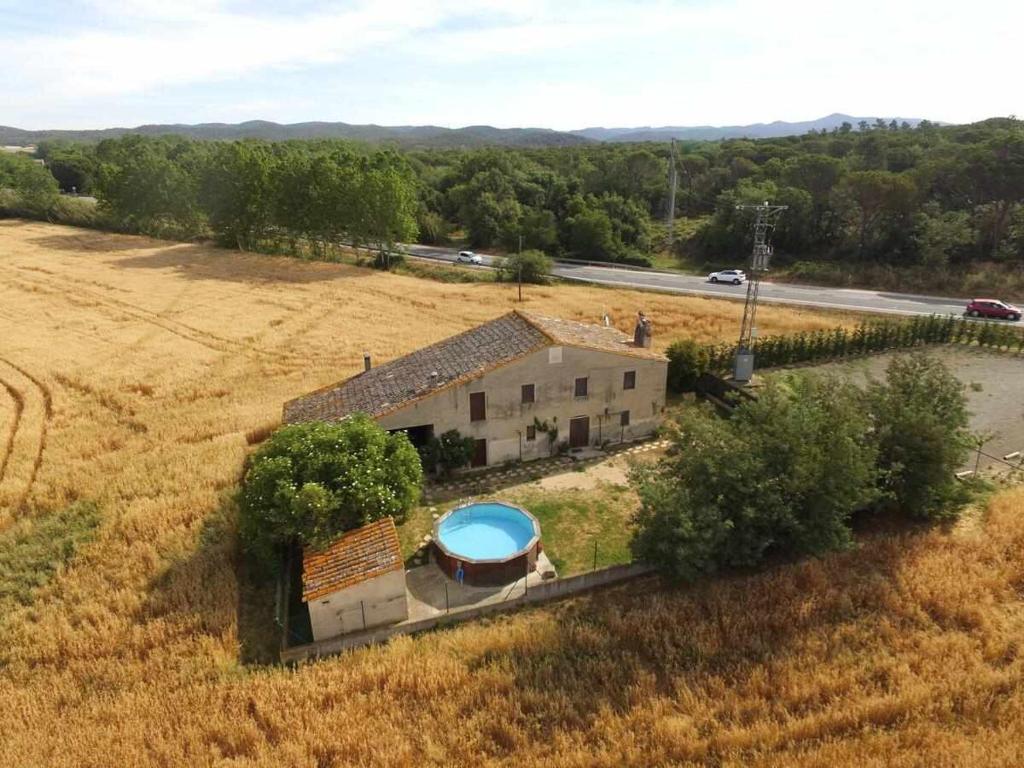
[(427, 136), (711, 132), (432, 136)]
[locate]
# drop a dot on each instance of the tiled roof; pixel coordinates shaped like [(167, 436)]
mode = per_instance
[(461, 358), (357, 556), (572, 333), (397, 383)]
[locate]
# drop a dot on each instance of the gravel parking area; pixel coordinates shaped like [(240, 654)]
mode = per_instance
[(995, 392)]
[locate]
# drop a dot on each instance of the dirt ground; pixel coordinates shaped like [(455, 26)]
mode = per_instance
[(995, 393)]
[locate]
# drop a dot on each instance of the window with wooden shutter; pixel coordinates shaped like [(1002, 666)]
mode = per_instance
[(624, 419), (581, 386), (629, 380), (477, 406), (528, 393), (531, 432)]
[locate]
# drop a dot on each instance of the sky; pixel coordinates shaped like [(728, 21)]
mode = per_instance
[(562, 65)]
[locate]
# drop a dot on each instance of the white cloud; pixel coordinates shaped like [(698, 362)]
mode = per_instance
[(561, 64)]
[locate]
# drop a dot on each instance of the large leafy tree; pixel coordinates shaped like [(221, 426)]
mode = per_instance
[(150, 185), (876, 197), (311, 482), (783, 474), (920, 421), (237, 192), (35, 190)]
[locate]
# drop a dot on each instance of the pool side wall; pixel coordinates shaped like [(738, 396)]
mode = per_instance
[(489, 574)]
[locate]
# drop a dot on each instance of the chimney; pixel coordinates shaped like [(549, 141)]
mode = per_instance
[(642, 332), (367, 364)]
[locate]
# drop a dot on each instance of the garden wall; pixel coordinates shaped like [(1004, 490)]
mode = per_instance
[(551, 590)]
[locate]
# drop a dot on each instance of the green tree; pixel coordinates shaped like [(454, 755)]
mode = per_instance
[(876, 196), (942, 235), (311, 482), (150, 185), (528, 267), (34, 188), (921, 424), (784, 473), (687, 360), (237, 192)]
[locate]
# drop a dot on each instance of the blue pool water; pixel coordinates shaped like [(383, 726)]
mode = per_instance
[(487, 531)]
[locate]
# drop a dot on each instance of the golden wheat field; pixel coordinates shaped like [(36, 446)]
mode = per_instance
[(132, 371)]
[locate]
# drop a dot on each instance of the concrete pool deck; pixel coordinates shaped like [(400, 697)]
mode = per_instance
[(426, 587)]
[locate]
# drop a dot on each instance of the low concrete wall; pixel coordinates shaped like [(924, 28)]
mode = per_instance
[(551, 590)]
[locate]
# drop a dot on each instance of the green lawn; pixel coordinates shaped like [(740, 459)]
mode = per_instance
[(571, 521)]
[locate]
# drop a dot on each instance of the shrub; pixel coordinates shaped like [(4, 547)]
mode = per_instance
[(528, 266), (784, 473), (310, 482), (920, 422), (687, 360), (448, 453)]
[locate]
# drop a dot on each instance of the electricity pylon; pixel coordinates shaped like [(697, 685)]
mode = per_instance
[(673, 179), (766, 218)]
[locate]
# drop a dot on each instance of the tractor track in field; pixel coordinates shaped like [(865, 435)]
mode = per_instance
[(21, 398), (112, 306), (19, 405)]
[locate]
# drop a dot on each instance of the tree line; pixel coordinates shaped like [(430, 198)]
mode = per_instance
[(931, 197), (246, 194)]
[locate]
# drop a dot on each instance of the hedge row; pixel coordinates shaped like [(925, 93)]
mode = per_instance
[(688, 360)]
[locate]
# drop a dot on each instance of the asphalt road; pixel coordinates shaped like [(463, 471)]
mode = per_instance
[(777, 293)]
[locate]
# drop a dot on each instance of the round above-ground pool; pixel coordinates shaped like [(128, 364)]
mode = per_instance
[(494, 542)]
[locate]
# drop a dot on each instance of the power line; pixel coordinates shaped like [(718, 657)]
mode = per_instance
[(766, 218)]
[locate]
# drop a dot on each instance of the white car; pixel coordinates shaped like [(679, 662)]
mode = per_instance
[(734, 276), (468, 257)]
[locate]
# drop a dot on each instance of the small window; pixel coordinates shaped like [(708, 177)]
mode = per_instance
[(581, 386), (624, 419), (629, 380), (477, 406), (528, 393), (531, 432)]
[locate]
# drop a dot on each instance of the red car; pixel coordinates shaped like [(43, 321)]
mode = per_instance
[(999, 310)]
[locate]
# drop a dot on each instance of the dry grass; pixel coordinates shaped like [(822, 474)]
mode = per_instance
[(135, 373)]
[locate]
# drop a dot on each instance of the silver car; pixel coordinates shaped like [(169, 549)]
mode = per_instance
[(468, 257), (734, 276)]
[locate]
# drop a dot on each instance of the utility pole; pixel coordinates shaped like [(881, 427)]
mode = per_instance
[(673, 178), (766, 218), (520, 279)]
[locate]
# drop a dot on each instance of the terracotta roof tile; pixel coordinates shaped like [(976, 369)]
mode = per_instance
[(453, 361), (406, 379), (572, 333), (358, 556)]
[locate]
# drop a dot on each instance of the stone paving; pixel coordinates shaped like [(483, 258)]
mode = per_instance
[(431, 593), (490, 480)]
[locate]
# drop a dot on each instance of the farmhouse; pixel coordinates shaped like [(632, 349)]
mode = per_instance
[(356, 582), (518, 385)]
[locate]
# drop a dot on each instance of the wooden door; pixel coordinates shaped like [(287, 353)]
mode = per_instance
[(479, 453), (579, 432)]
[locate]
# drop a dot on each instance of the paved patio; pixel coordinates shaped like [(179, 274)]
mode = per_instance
[(431, 593), (493, 479)]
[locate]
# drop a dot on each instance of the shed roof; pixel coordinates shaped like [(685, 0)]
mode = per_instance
[(455, 360), (358, 556)]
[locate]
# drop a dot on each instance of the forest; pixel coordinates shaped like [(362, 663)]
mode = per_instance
[(936, 201)]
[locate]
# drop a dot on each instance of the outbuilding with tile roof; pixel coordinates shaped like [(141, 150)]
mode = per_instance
[(519, 385), (356, 582)]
